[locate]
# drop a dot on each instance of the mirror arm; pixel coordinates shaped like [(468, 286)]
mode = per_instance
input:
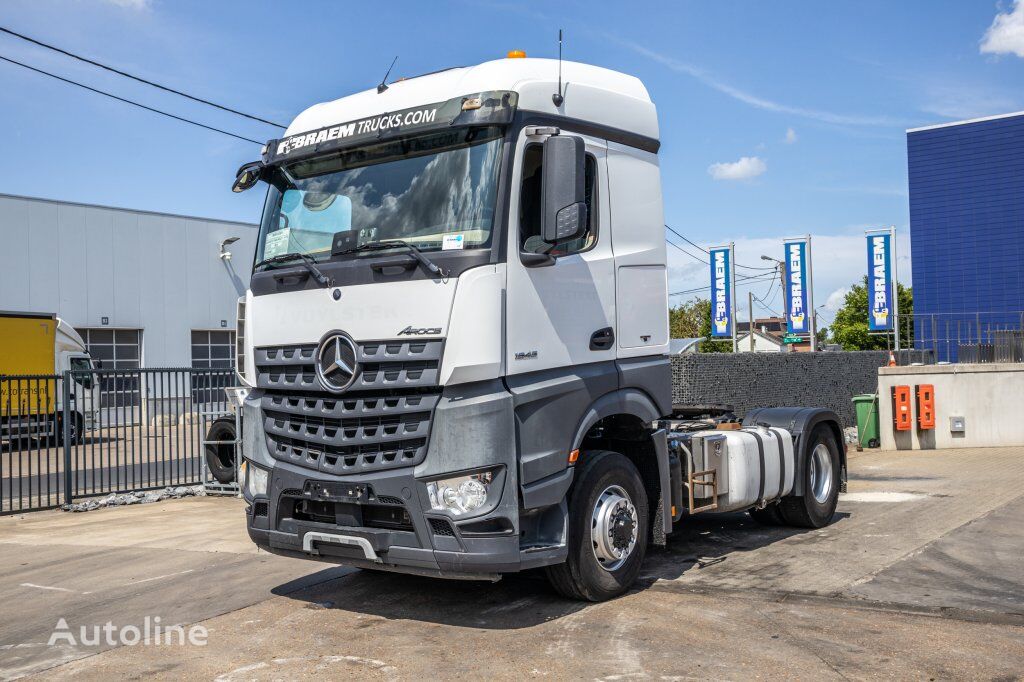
[(536, 260)]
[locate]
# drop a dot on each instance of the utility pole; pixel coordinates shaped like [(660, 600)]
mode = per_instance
[(810, 295), (750, 332)]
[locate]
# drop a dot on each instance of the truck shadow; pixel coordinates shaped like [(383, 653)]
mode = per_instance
[(523, 600)]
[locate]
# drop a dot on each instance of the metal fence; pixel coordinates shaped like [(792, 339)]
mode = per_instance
[(93, 432), (967, 336)]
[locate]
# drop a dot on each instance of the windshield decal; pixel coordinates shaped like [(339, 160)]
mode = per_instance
[(496, 108)]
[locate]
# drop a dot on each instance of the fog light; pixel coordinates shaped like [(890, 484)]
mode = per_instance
[(256, 479), (461, 495)]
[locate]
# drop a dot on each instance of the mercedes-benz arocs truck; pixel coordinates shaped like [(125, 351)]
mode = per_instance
[(453, 350)]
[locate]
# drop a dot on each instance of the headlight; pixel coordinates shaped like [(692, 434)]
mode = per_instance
[(255, 479), (462, 494)]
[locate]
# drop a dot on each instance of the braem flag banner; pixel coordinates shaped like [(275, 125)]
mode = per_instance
[(880, 289), (798, 316), (721, 293)]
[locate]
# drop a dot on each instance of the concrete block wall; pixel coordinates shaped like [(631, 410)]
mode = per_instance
[(749, 380), (985, 396)]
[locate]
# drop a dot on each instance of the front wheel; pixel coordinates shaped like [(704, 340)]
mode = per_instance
[(608, 529), (815, 508)]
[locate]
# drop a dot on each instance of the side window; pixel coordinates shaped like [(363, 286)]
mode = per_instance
[(530, 240), (82, 365)]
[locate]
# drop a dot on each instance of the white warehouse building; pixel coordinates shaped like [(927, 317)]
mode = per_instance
[(142, 288)]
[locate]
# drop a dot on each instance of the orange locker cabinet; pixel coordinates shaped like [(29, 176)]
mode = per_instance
[(925, 406), (902, 418)]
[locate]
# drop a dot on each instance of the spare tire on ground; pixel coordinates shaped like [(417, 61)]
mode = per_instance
[(220, 456)]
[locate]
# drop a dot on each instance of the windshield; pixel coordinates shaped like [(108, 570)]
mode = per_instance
[(436, 192)]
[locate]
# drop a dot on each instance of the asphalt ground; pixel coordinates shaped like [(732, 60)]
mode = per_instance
[(920, 576)]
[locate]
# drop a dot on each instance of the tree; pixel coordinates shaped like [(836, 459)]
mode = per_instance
[(692, 319), (850, 326)]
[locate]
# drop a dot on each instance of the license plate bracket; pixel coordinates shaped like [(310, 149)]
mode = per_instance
[(337, 492)]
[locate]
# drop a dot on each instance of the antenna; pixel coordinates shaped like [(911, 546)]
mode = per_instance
[(384, 86), (557, 97)]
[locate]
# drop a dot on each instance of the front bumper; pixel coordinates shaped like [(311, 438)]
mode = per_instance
[(472, 429), (429, 543)]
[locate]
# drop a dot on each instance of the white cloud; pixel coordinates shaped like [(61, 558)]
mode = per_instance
[(1006, 34), (753, 100), (791, 136), (746, 168)]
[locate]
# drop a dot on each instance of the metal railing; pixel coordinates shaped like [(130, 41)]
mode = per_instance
[(93, 432), (966, 336)]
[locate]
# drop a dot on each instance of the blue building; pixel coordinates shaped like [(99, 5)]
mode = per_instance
[(967, 230)]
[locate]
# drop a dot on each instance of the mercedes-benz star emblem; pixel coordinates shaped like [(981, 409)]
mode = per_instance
[(336, 365)]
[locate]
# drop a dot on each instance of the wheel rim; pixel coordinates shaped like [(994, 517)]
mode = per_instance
[(821, 473), (613, 528)]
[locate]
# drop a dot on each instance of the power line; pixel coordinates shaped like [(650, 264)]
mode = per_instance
[(128, 101), (696, 258), (755, 279), (739, 265), (687, 240), (137, 78)]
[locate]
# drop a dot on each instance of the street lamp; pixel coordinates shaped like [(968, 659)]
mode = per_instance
[(225, 243)]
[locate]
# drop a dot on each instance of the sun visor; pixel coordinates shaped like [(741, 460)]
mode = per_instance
[(495, 107)]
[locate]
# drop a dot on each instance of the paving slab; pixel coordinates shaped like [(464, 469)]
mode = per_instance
[(918, 577)]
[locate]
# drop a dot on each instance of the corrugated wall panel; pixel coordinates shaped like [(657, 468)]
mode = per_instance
[(154, 272)]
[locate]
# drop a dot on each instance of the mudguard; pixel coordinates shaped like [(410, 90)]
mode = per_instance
[(800, 422)]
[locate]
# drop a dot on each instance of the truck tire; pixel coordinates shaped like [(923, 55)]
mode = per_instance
[(821, 473), (608, 529), (220, 459), (77, 430)]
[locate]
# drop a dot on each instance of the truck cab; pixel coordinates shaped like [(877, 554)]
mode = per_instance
[(453, 351)]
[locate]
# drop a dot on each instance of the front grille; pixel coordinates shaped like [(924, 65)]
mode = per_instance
[(381, 422), (260, 508)]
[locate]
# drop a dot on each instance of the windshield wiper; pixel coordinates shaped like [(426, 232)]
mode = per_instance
[(398, 243), (306, 259)]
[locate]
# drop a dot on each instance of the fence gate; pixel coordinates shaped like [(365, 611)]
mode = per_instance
[(92, 432)]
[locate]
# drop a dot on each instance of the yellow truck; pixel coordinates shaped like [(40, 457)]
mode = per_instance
[(35, 348)]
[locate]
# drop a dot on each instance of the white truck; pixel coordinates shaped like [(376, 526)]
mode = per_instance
[(453, 351)]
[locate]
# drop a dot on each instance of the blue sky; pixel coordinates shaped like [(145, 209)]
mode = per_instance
[(777, 119)]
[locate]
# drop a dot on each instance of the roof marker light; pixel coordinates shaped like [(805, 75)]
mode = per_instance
[(516, 54)]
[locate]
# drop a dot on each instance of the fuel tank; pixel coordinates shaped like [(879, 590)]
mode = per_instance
[(752, 465)]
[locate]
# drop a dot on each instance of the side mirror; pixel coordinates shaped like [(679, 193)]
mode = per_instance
[(247, 176), (564, 211)]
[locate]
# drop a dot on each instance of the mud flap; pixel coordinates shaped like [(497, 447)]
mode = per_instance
[(662, 523)]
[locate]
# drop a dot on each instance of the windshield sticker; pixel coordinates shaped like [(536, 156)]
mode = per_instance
[(276, 243), (453, 241)]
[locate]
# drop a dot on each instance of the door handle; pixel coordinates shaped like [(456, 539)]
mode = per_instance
[(602, 339)]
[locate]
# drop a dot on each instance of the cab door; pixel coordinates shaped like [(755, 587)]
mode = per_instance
[(561, 314)]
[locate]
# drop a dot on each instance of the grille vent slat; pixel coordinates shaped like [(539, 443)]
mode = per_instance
[(382, 422)]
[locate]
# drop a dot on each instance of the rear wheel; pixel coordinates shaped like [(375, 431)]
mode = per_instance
[(817, 505), (608, 529), (220, 457)]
